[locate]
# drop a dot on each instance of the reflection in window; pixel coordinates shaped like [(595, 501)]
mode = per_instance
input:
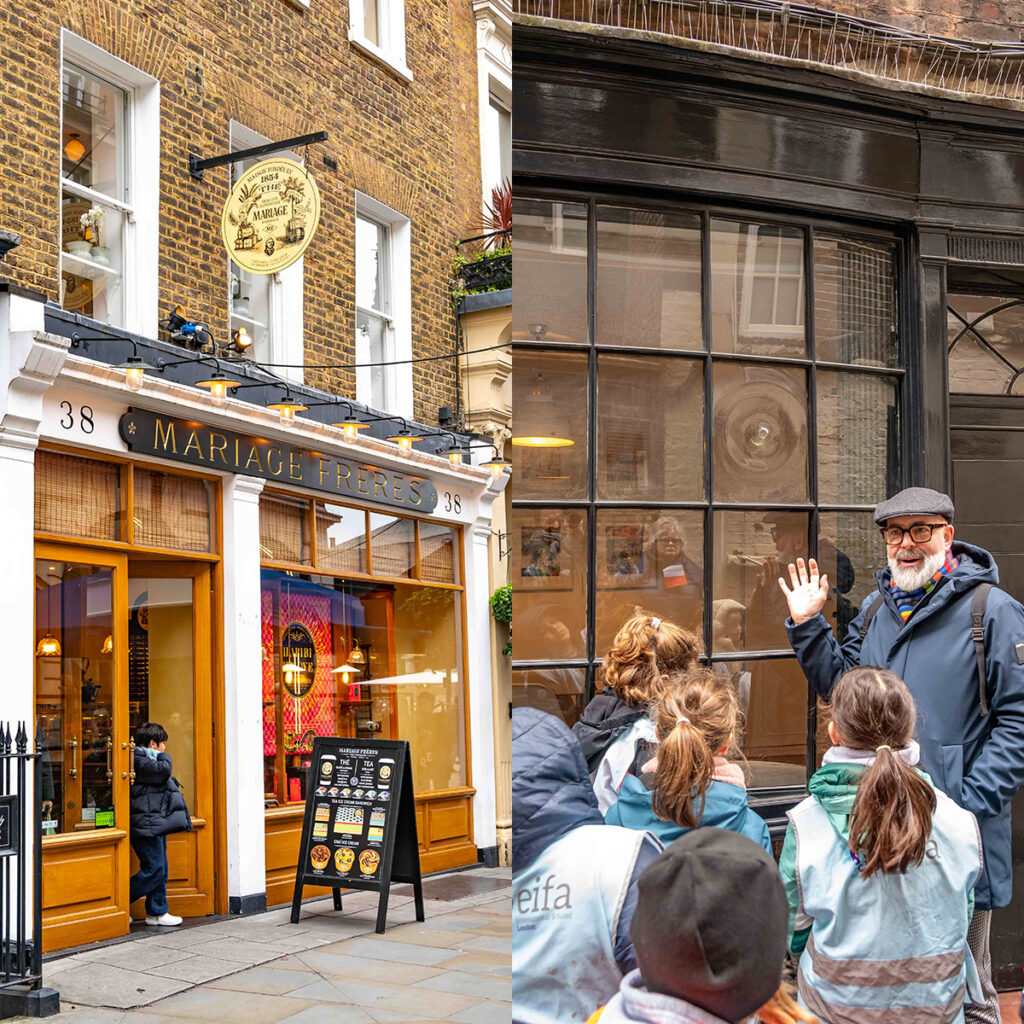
[(392, 545), (549, 266), (760, 433), (549, 580), (849, 553), (651, 560), (284, 535), (556, 691), (650, 428), (986, 344), (340, 538), (757, 289), (648, 279)]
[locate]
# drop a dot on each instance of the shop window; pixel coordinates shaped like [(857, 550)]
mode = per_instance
[(650, 421), (268, 306), (361, 659), (986, 344), (557, 691), (549, 396), (77, 497), (377, 27), (392, 545), (171, 511), (383, 310), (109, 188), (649, 279), (340, 538), (438, 553), (549, 266), (284, 530)]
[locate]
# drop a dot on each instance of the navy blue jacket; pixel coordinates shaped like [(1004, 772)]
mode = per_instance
[(156, 805), (551, 795), (976, 760)]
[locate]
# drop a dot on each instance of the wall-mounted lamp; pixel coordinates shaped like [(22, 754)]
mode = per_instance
[(241, 340), (218, 384), (134, 368), (404, 438), (287, 407)]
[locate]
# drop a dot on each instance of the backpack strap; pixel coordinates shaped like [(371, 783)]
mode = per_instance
[(870, 614), (978, 601)]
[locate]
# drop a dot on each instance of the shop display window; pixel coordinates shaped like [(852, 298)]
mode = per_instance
[(77, 497)]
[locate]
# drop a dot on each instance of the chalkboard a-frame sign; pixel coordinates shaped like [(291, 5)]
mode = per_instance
[(359, 827)]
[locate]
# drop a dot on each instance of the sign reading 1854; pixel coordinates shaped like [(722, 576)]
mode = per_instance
[(150, 433)]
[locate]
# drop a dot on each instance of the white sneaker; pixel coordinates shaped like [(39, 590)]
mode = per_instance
[(166, 920)]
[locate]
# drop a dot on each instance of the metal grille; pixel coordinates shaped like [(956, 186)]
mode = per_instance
[(795, 32)]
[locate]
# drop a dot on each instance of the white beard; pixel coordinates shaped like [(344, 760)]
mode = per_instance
[(911, 579)]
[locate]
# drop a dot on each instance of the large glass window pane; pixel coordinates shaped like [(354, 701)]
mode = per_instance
[(369, 660), (75, 695), (557, 691), (549, 267), (751, 552), (94, 133), (77, 497), (92, 261), (340, 538), (392, 545), (171, 511), (986, 344), (650, 424), (549, 583), (854, 302), (284, 533), (549, 424), (652, 560), (760, 433), (849, 552), (438, 553), (648, 279), (773, 695), (757, 289), (858, 438)]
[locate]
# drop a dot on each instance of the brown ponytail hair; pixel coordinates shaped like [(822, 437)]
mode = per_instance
[(892, 814), (645, 649), (694, 717)]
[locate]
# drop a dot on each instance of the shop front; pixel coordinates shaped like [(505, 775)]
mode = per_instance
[(250, 584)]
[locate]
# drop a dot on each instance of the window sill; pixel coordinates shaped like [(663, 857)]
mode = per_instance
[(387, 60)]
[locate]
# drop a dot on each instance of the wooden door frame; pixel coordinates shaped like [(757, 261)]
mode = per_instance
[(115, 920)]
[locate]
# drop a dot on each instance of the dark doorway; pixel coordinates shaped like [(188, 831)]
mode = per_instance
[(986, 434)]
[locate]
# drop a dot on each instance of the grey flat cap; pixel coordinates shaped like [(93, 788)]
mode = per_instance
[(915, 501)]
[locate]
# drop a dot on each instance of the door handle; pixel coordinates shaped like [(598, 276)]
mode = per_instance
[(110, 761), (131, 761), (73, 770)]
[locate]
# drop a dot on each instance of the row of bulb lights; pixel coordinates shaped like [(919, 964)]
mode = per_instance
[(219, 384)]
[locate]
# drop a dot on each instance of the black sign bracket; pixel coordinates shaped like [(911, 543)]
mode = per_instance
[(197, 167)]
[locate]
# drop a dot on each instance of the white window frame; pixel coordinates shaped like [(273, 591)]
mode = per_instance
[(285, 317), (777, 328), (140, 263), (494, 78), (398, 340), (391, 23)]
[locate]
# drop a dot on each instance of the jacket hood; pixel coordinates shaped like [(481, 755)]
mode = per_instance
[(551, 789), (976, 566), (604, 706)]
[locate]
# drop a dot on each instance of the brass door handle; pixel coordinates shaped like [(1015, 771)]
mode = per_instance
[(73, 770), (131, 761), (110, 763), (124, 775)]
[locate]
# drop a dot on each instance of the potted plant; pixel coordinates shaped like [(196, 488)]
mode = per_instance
[(92, 221)]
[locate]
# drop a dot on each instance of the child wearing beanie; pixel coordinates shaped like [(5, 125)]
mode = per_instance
[(703, 956)]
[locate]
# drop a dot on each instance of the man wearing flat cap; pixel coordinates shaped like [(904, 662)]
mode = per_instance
[(919, 625)]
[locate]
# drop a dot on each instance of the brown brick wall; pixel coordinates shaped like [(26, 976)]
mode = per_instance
[(282, 72), (1001, 20)]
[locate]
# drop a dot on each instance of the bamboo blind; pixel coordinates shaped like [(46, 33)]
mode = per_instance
[(172, 511), (437, 553), (348, 555), (393, 545), (77, 497), (283, 530)]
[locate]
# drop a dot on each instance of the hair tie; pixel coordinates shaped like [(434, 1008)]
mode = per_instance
[(884, 746), (681, 719), (655, 623)]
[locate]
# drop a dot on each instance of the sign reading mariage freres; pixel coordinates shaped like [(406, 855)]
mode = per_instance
[(150, 433), (270, 216)]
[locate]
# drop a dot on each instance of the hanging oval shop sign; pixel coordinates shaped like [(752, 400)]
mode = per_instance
[(270, 216), (298, 659)]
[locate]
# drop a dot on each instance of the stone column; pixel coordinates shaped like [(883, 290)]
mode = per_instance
[(243, 698)]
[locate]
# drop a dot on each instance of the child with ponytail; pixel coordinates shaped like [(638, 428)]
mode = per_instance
[(879, 868), (644, 650), (686, 781)]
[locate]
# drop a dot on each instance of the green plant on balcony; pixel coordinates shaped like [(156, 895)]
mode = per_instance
[(489, 267)]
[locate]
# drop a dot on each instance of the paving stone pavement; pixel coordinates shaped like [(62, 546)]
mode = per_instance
[(330, 968)]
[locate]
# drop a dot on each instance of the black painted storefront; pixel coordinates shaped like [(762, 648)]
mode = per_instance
[(602, 118)]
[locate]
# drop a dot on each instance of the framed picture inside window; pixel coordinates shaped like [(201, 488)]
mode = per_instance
[(544, 565), (622, 561)]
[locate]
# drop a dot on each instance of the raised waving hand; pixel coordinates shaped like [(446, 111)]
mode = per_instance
[(808, 592)]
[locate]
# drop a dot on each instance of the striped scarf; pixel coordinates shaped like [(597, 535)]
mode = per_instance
[(908, 600)]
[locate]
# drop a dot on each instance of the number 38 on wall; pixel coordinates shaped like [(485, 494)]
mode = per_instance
[(82, 418), (452, 502)]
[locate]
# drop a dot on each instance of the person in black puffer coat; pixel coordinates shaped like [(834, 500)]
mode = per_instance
[(157, 809)]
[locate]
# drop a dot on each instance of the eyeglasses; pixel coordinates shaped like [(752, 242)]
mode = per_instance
[(920, 533)]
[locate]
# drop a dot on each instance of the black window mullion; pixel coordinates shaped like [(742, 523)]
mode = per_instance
[(591, 447), (709, 483), (812, 468)]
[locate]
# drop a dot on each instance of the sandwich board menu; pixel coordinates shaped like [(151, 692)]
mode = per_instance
[(359, 826)]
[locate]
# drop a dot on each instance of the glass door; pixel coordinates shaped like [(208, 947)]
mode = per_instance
[(82, 733)]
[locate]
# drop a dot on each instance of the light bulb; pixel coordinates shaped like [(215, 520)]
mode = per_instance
[(287, 412), (218, 391), (134, 379), (496, 469), (405, 443), (73, 148), (350, 430), (455, 458)]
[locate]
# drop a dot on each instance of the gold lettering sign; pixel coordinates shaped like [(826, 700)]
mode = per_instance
[(149, 433), (270, 216)]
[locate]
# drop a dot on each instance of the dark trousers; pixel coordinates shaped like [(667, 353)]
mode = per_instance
[(151, 879)]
